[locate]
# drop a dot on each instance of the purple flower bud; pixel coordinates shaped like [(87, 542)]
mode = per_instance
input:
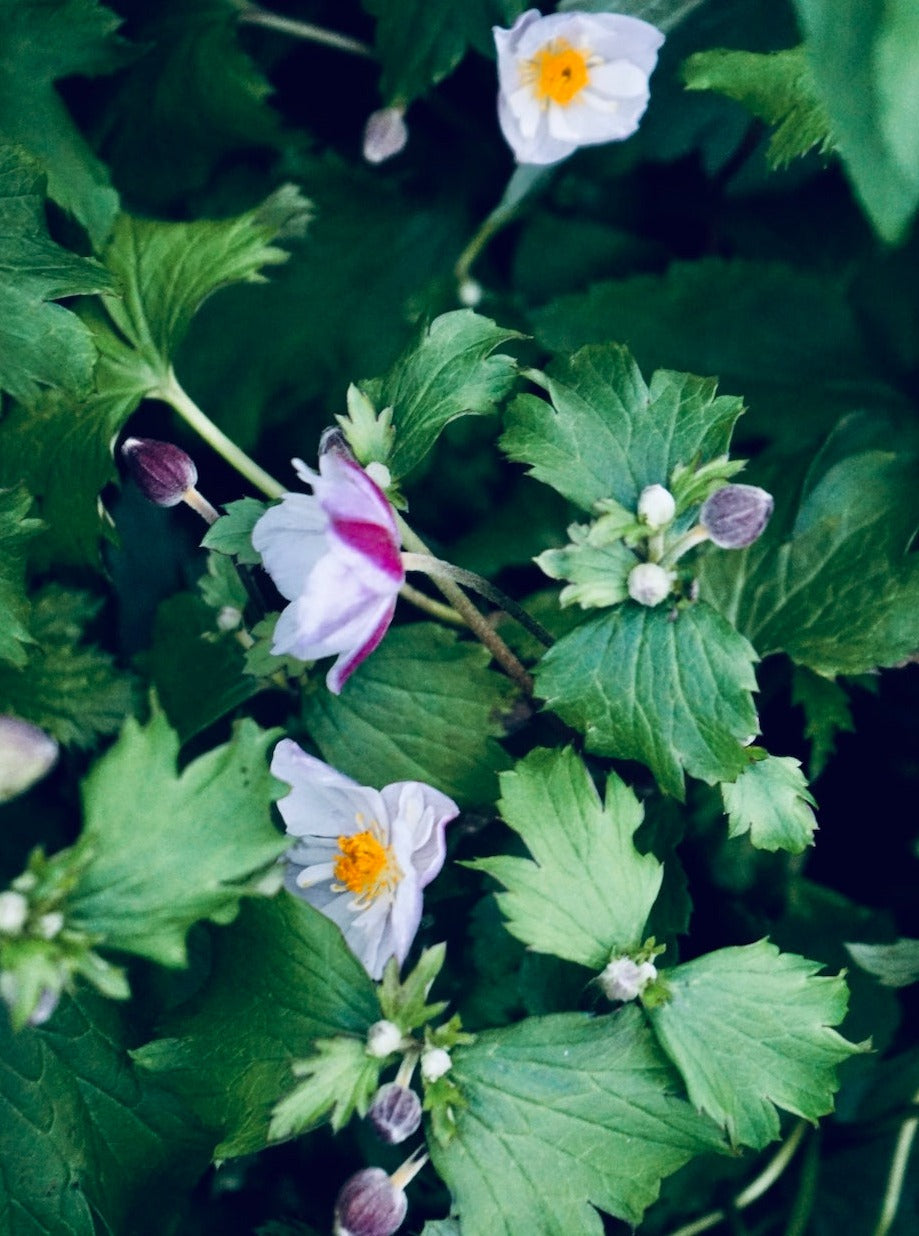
[(369, 1204), (26, 755), (385, 134), (736, 515), (395, 1113), (163, 472)]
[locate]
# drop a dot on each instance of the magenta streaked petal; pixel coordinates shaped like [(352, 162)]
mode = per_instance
[(374, 543), (346, 492), (350, 659)]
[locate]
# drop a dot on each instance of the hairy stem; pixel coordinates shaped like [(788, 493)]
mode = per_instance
[(255, 15), (437, 609)]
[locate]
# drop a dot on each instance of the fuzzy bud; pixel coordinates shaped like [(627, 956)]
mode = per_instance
[(656, 507), (625, 979), (383, 1038), (435, 1061), (395, 1113), (50, 924), (14, 910), (649, 584), (164, 473), (735, 515), (369, 1204), (385, 134), (26, 755)]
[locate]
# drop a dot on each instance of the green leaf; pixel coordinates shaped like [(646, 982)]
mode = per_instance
[(585, 1105), (41, 344), (777, 88), (840, 594), (610, 435), (586, 892), (424, 707), (771, 801), (750, 1030), (420, 41), (893, 965), (674, 693), (42, 41), (405, 1003), (194, 89), (826, 714), (15, 530), (167, 850), (282, 977), (865, 58), (449, 372), (82, 1133), (232, 533), (69, 688), (341, 1079)]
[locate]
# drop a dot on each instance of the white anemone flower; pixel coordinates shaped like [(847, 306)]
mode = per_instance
[(361, 856), (572, 79)]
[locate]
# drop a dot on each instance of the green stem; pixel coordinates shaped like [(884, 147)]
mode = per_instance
[(807, 1190), (437, 609), (689, 540), (172, 393), (897, 1176), (524, 181), (254, 15)]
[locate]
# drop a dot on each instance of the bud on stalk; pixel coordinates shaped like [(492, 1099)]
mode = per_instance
[(735, 515)]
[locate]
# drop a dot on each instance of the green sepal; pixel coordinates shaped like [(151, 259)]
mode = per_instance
[(341, 1079)]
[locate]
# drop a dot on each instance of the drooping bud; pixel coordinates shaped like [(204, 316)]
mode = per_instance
[(164, 473), (656, 506), (369, 1204), (383, 1038), (649, 584), (26, 755), (395, 1112), (736, 515), (435, 1061), (385, 134), (332, 441), (14, 910), (625, 979)]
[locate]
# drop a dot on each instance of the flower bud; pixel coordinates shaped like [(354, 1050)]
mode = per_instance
[(14, 910), (26, 755), (369, 1204), (383, 1038), (50, 924), (385, 134), (649, 584), (45, 1005), (656, 506), (625, 979), (395, 1112), (163, 472), (435, 1061), (736, 515)]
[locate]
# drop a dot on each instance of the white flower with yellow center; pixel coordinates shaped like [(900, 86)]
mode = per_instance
[(572, 79), (361, 856)]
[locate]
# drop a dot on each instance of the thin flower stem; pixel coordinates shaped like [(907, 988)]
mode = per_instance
[(437, 609), (755, 1189), (897, 1176), (254, 15), (436, 568), (471, 616), (806, 1195), (200, 505), (689, 540), (172, 393), (404, 1175), (526, 179)]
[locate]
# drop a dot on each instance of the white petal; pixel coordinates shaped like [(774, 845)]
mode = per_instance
[(541, 149), (291, 538), (420, 813), (322, 802), (619, 79), (316, 873), (560, 126)]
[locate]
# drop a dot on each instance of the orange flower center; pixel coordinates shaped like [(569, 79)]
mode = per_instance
[(365, 865), (560, 72)]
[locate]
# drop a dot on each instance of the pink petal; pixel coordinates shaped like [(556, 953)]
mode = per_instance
[(346, 492), (374, 543), (349, 660)]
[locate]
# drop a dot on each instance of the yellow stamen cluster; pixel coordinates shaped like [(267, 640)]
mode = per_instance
[(558, 73), (365, 866)]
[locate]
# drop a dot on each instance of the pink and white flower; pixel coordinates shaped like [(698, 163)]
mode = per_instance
[(572, 79), (361, 856), (334, 555)]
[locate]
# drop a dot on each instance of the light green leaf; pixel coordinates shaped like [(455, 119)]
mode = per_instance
[(15, 529), (82, 1133), (777, 87), (586, 892), (424, 707), (42, 41), (826, 714), (282, 977), (232, 533), (586, 1103), (341, 1079), (442, 1227), (420, 41), (840, 594), (41, 344), (771, 801), (674, 693), (68, 688), (893, 965), (609, 434), (168, 849), (865, 59), (750, 1030), (448, 372), (405, 1002)]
